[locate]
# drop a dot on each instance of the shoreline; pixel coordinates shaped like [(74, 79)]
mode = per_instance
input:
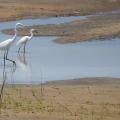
[(78, 81), (93, 28), (85, 81)]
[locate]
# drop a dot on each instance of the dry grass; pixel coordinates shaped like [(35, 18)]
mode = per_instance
[(63, 102)]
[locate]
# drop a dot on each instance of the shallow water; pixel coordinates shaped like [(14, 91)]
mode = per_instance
[(46, 60)]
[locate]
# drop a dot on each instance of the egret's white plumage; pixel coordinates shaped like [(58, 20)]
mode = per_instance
[(24, 40), (5, 45)]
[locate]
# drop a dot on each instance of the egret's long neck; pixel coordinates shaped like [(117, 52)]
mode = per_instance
[(14, 37), (31, 34)]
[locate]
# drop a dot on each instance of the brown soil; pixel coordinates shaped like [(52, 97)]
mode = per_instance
[(17, 9)]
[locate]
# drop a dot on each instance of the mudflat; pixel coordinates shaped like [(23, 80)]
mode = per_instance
[(93, 28)]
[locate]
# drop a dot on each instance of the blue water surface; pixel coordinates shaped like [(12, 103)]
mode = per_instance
[(46, 60)]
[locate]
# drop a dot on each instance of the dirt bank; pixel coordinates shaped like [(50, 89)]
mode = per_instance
[(17, 9)]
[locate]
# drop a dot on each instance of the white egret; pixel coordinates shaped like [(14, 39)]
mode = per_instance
[(24, 40), (5, 45)]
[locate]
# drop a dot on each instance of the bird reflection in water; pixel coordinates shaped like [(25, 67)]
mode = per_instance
[(24, 64)]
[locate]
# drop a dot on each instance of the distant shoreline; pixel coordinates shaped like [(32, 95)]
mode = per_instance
[(85, 81), (80, 81)]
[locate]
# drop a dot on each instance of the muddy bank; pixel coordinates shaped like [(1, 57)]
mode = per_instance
[(95, 27), (14, 9)]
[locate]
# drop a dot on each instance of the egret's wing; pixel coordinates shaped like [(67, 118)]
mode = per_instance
[(22, 40), (5, 44)]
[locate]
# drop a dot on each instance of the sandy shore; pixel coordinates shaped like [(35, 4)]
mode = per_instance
[(14, 9), (86, 99)]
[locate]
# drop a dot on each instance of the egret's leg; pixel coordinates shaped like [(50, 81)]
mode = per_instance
[(4, 57), (10, 59), (19, 49), (24, 48)]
